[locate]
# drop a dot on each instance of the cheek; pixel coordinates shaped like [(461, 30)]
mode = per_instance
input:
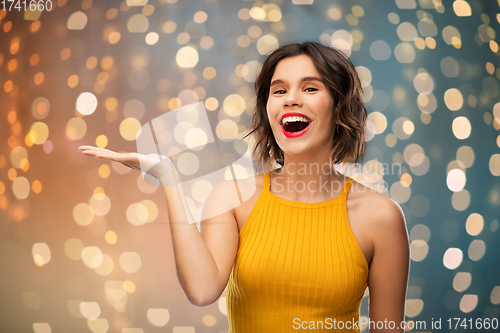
[(271, 110), (327, 122), (268, 114)]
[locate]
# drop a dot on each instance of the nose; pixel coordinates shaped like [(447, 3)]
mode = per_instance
[(292, 99)]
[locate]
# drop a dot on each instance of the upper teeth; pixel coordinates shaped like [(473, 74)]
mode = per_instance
[(294, 119)]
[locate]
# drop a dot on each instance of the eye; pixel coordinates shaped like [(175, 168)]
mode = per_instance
[(310, 89), (279, 92)]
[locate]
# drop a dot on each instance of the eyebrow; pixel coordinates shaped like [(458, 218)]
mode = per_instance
[(304, 79)]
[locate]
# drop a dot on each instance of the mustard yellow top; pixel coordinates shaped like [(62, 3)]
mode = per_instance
[(298, 266)]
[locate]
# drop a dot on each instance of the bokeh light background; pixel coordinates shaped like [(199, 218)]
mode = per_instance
[(84, 243)]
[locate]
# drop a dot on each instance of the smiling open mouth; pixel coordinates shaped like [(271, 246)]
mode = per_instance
[(294, 126)]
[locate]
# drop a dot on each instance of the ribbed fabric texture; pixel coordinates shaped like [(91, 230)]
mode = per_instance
[(296, 260)]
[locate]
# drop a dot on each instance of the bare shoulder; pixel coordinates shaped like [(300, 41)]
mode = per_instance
[(382, 213)]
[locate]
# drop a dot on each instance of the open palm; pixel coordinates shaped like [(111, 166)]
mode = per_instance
[(158, 166)]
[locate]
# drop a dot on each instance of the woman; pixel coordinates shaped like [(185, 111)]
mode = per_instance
[(301, 251)]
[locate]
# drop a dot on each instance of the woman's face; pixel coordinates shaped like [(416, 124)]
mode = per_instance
[(300, 107)]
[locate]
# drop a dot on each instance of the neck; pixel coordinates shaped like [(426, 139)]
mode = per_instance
[(307, 178)]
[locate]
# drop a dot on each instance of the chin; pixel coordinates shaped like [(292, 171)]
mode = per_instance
[(295, 149)]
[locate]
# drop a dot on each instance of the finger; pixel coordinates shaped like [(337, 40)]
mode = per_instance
[(94, 150), (87, 147), (82, 147), (97, 151), (102, 150), (90, 152), (107, 150), (115, 158), (108, 157)]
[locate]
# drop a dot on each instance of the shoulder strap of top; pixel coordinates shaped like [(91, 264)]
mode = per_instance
[(267, 182), (346, 187)]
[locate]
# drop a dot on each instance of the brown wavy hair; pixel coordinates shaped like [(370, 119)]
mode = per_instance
[(349, 118)]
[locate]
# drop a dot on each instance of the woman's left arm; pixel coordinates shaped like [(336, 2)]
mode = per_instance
[(389, 268)]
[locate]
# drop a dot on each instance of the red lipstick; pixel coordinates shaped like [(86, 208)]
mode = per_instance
[(293, 114), (294, 134)]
